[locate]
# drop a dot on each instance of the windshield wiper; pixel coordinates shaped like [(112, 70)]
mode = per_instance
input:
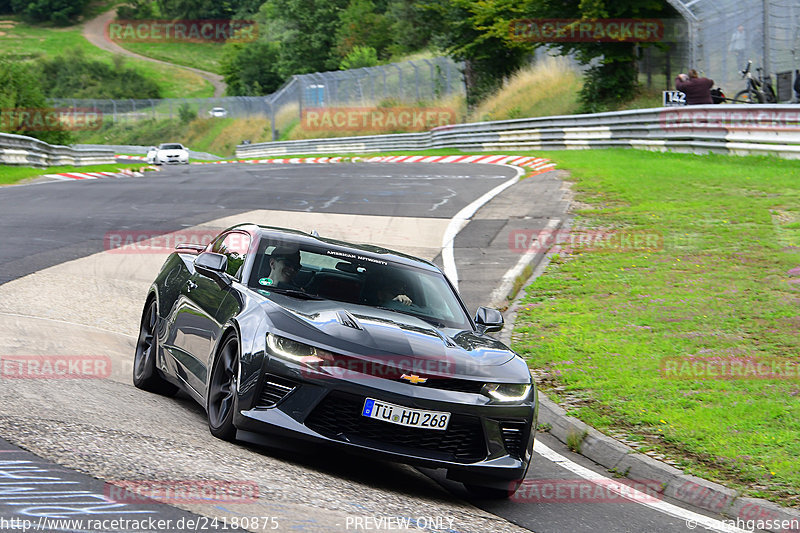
[(291, 292), (429, 320)]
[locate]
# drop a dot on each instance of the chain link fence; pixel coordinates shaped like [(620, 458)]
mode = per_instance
[(421, 81), (722, 35)]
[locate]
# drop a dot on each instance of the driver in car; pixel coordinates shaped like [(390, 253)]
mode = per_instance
[(391, 293)]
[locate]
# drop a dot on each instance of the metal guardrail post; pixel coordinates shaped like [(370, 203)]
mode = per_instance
[(416, 79)]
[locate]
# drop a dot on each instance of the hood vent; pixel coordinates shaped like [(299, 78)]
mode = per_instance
[(348, 320)]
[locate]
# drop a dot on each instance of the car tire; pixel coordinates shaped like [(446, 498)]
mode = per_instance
[(145, 374), (223, 390), (490, 493)]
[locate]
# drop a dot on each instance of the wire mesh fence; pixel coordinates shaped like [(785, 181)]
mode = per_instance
[(417, 82), (724, 34)]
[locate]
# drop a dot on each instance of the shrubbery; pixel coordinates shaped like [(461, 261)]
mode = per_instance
[(61, 12), (20, 89), (76, 76)]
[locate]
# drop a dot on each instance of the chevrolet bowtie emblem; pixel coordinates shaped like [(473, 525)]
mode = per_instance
[(413, 378)]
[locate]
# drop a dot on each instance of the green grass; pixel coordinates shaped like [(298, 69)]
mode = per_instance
[(30, 42), (598, 323), (205, 56), (13, 174)]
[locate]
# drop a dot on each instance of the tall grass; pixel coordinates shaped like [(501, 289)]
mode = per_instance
[(550, 87)]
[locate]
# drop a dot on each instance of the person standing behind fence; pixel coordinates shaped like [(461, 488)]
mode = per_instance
[(738, 45), (696, 89)]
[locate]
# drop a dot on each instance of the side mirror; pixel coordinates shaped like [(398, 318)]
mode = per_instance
[(489, 320), (212, 265)]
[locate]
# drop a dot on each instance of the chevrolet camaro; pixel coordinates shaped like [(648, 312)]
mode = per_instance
[(287, 335)]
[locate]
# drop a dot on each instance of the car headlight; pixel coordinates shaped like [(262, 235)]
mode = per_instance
[(507, 392), (297, 351)]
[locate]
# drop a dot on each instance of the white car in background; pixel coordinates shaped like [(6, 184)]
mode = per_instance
[(171, 154), (218, 112)]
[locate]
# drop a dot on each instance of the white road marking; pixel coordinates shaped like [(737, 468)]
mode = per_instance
[(500, 293), (632, 494), (461, 219)]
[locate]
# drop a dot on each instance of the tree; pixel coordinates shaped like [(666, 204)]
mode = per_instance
[(195, 9), (306, 31), (614, 78), (360, 57), (411, 26), (361, 26), (250, 69), (478, 33), (60, 12), (20, 90)]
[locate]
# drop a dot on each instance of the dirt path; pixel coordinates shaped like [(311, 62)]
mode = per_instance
[(94, 31)]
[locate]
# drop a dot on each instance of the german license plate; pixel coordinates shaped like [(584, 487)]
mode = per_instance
[(405, 416)]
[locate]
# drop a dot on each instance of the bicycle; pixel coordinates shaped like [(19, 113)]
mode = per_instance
[(758, 90)]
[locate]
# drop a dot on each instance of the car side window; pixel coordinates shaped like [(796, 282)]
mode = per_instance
[(234, 245)]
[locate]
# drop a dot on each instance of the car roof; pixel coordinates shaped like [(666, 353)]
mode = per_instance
[(368, 250)]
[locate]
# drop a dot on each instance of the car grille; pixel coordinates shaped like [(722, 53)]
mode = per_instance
[(457, 385), (339, 417), (274, 390), (513, 434), (393, 373)]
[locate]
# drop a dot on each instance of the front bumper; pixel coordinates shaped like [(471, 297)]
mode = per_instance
[(485, 444), (163, 160)]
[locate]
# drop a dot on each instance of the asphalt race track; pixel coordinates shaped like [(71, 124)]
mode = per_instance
[(63, 294)]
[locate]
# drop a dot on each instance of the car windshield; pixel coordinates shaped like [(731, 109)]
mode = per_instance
[(354, 277), (171, 147)]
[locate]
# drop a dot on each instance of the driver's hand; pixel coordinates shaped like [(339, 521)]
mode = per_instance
[(403, 299)]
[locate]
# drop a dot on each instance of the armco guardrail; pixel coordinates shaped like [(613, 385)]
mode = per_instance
[(22, 150), (732, 129), (140, 149)]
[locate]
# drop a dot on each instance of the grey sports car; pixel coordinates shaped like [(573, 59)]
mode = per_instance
[(283, 334)]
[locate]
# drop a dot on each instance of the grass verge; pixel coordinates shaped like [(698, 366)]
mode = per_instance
[(205, 56), (723, 283), (13, 174), (29, 42)]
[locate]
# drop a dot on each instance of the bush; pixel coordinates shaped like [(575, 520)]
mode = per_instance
[(186, 113), (61, 12), (359, 57), (20, 89), (75, 76), (137, 10)]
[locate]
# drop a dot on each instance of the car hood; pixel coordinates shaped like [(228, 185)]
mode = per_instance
[(172, 152), (394, 339)]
